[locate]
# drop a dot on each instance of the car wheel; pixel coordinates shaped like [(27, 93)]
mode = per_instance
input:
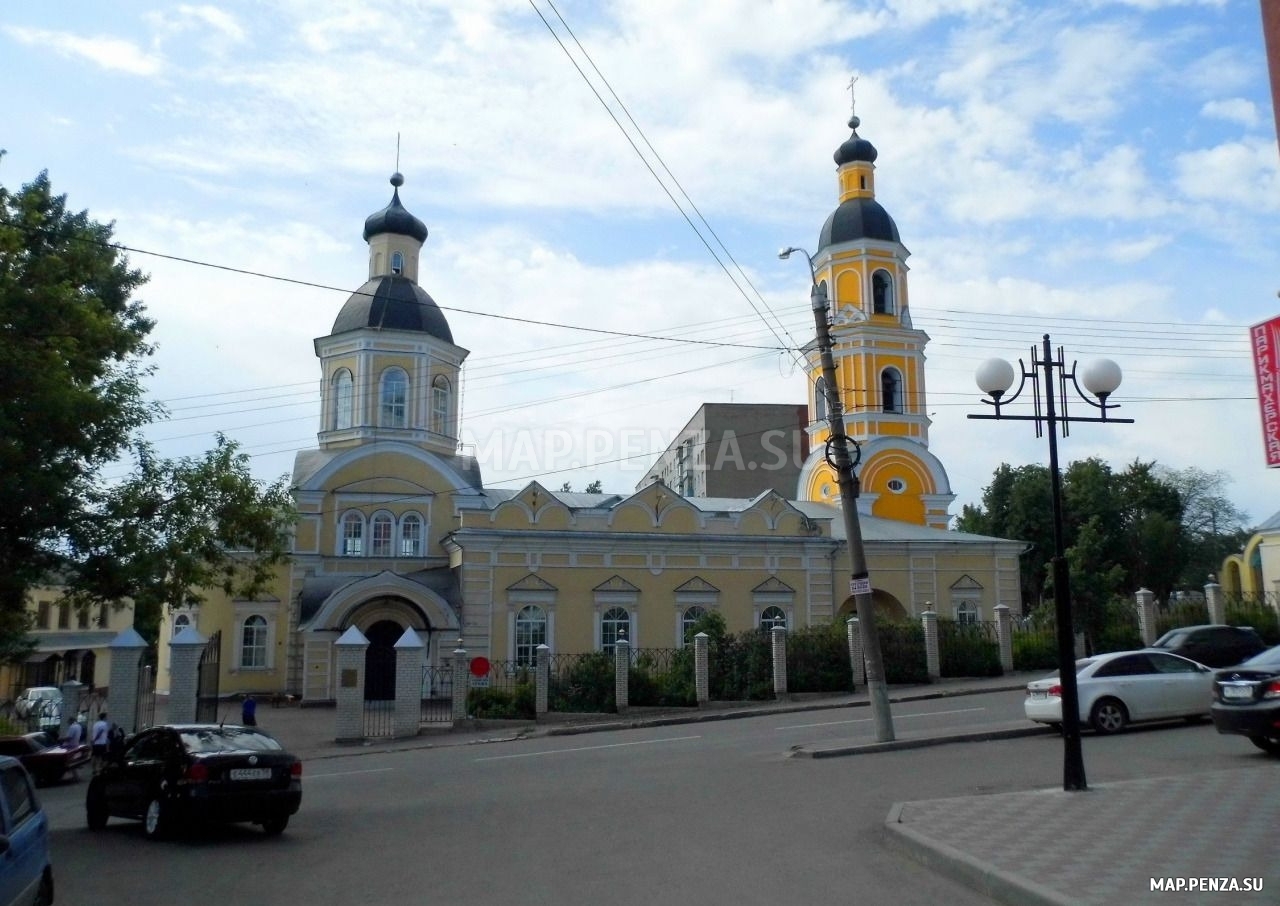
[(155, 821), (1268, 744), (274, 827), (44, 896), (95, 808), (1108, 716)]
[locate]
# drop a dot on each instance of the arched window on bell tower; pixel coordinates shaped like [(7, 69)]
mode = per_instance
[(393, 399), (440, 405), (882, 293), (891, 390), (820, 400), (343, 396), (397, 263)]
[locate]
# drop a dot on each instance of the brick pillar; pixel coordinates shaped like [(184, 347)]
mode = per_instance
[(71, 690), (409, 650), (933, 662), (1146, 615), (701, 663), (185, 650), (1213, 600), (1004, 636), (461, 682), (853, 631), (778, 643), (622, 674), (349, 721), (542, 680)]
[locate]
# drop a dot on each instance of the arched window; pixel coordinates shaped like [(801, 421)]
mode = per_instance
[(411, 535), (393, 399), (397, 263), (773, 616), (967, 612), (882, 293), (353, 535), (890, 390), (820, 400), (343, 397), (615, 624), (440, 405), (380, 531), (688, 620), (253, 642), (180, 622), (531, 631)]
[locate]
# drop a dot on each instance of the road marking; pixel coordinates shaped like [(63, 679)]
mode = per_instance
[(348, 773), (613, 745), (865, 720)]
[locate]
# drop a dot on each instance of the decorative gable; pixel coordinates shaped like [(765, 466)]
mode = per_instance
[(966, 583), (616, 584), (531, 583), (697, 585), (773, 585)]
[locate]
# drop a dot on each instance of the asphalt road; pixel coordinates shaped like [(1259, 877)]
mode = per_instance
[(712, 812)]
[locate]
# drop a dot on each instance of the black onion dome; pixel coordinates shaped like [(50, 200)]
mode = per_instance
[(394, 218), (392, 302), (855, 148), (856, 219)]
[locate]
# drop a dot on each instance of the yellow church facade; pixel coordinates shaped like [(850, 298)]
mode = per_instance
[(397, 531)]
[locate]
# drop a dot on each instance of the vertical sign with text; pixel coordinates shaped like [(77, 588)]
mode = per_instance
[(1265, 340)]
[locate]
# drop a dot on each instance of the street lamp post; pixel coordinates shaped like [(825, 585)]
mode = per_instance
[(1101, 377), (840, 460)]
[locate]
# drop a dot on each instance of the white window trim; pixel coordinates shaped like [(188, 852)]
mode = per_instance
[(342, 535), (268, 610)]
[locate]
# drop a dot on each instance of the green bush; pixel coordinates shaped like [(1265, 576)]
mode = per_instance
[(517, 703), (1186, 613), (818, 659), (1119, 629), (1260, 616), (966, 651), (1034, 651), (586, 687), (902, 648), (651, 685)]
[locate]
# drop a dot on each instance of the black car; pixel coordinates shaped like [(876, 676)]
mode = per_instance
[(174, 775), (1214, 645), (1246, 700)]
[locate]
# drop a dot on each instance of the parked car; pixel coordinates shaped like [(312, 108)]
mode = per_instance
[(1214, 645), (40, 707), (1123, 687), (26, 873), (45, 760), (175, 775), (1246, 700)]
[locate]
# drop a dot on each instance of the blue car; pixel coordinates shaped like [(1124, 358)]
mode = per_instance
[(26, 874)]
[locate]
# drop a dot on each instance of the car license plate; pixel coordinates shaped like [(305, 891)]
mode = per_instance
[(251, 773), (1038, 695), (1237, 692)]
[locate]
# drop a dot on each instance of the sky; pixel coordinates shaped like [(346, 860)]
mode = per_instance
[(605, 182)]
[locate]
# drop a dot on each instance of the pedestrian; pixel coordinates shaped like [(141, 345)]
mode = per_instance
[(75, 735), (100, 739), (249, 711)]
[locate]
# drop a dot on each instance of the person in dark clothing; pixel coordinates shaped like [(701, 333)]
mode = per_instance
[(249, 711)]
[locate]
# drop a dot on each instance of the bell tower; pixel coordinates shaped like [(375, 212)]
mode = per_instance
[(879, 356)]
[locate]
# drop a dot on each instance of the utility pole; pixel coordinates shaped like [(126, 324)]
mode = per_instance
[(839, 459)]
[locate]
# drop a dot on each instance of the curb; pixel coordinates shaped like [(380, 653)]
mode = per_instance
[(898, 745), (960, 866)]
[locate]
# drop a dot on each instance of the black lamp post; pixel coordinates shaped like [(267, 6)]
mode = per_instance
[(1101, 377)]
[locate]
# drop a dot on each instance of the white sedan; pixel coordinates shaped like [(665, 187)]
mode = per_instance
[(1125, 686)]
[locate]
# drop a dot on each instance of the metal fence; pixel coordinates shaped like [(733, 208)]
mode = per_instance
[(437, 695), (968, 648), (582, 683)]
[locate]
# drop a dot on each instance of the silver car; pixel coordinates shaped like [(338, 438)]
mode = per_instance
[(1123, 687)]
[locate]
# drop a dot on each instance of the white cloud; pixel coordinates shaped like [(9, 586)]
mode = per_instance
[(1244, 173), (1233, 110), (113, 54)]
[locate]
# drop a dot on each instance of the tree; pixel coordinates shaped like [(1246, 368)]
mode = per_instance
[(71, 339), (74, 341), (1214, 527), (174, 529)]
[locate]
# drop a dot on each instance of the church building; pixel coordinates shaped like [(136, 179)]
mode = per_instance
[(397, 531)]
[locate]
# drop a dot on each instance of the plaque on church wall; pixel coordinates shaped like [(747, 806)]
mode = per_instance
[(350, 679)]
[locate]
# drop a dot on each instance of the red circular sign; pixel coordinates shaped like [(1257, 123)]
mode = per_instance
[(479, 666)]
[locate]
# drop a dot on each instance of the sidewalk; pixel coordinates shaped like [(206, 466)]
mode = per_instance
[(1033, 847)]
